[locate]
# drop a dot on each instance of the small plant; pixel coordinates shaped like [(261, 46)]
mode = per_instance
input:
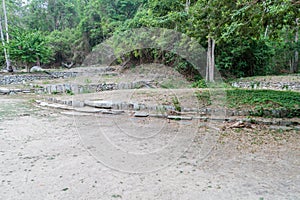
[(37, 86), (69, 92), (199, 84), (285, 87), (259, 111), (204, 97), (176, 104), (251, 120), (31, 101), (254, 85), (85, 91), (116, 196), (162, 109), (88, 81)]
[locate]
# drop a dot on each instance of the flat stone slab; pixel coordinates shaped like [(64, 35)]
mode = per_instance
[(77, 104), (99, 104), (75, 113), (4, 90), (56, 106), (158, 115), (141, 114), (88, 110), (101, 111), (174, 117), (113, 112), (283, 128)]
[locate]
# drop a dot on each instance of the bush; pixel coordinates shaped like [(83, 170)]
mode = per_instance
[(244, 57), (30, 48)]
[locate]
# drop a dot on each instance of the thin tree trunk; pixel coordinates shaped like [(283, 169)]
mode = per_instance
[(3, 43), (291, 65), (210, 60), (5, 21), (266, 31), (38, 62), (212, 67), (187, 5), (296, 61), (7, 36)]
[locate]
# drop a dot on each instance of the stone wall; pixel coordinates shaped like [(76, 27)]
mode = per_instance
[(19, 79), (295, 86), (213, 112), (79, 89)]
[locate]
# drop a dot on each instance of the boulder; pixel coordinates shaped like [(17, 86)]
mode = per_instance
[(141, 114), (36, 69), (4, 91)]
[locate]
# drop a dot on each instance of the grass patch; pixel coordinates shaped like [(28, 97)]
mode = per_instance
[(264, 103), (267, 99), (69, 92), (10, 110), (203, 97), (176, 104)]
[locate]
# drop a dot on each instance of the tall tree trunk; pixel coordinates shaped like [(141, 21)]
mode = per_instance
[(38, 62), (3, 44), (296, 61), (212, 66), (266, 31), (187, 5), (208, 59), (210, 69), (8, 67)]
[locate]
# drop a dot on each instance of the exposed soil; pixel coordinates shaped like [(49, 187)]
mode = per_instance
[(44, 155)]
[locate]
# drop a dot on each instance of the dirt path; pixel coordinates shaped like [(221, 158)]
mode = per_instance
[(46, 155)]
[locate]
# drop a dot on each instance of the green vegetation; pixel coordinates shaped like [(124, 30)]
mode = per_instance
[(88, 81), (199, 84), (267, 99), (176, 104), (30, 48), (69, 92), (260, 102), (250, 37), (9, 110), (204, 97)]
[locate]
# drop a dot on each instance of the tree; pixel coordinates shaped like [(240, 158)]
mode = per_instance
[(208, 19), (271, 21), (30, 48), (103, 17), (65, 46), (52, 15), (296, 60)]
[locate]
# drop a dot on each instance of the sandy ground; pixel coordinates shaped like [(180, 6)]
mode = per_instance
[(47, 155)]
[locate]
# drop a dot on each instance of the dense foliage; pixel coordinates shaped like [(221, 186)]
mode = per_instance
[(30, 48), (251, 37)]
